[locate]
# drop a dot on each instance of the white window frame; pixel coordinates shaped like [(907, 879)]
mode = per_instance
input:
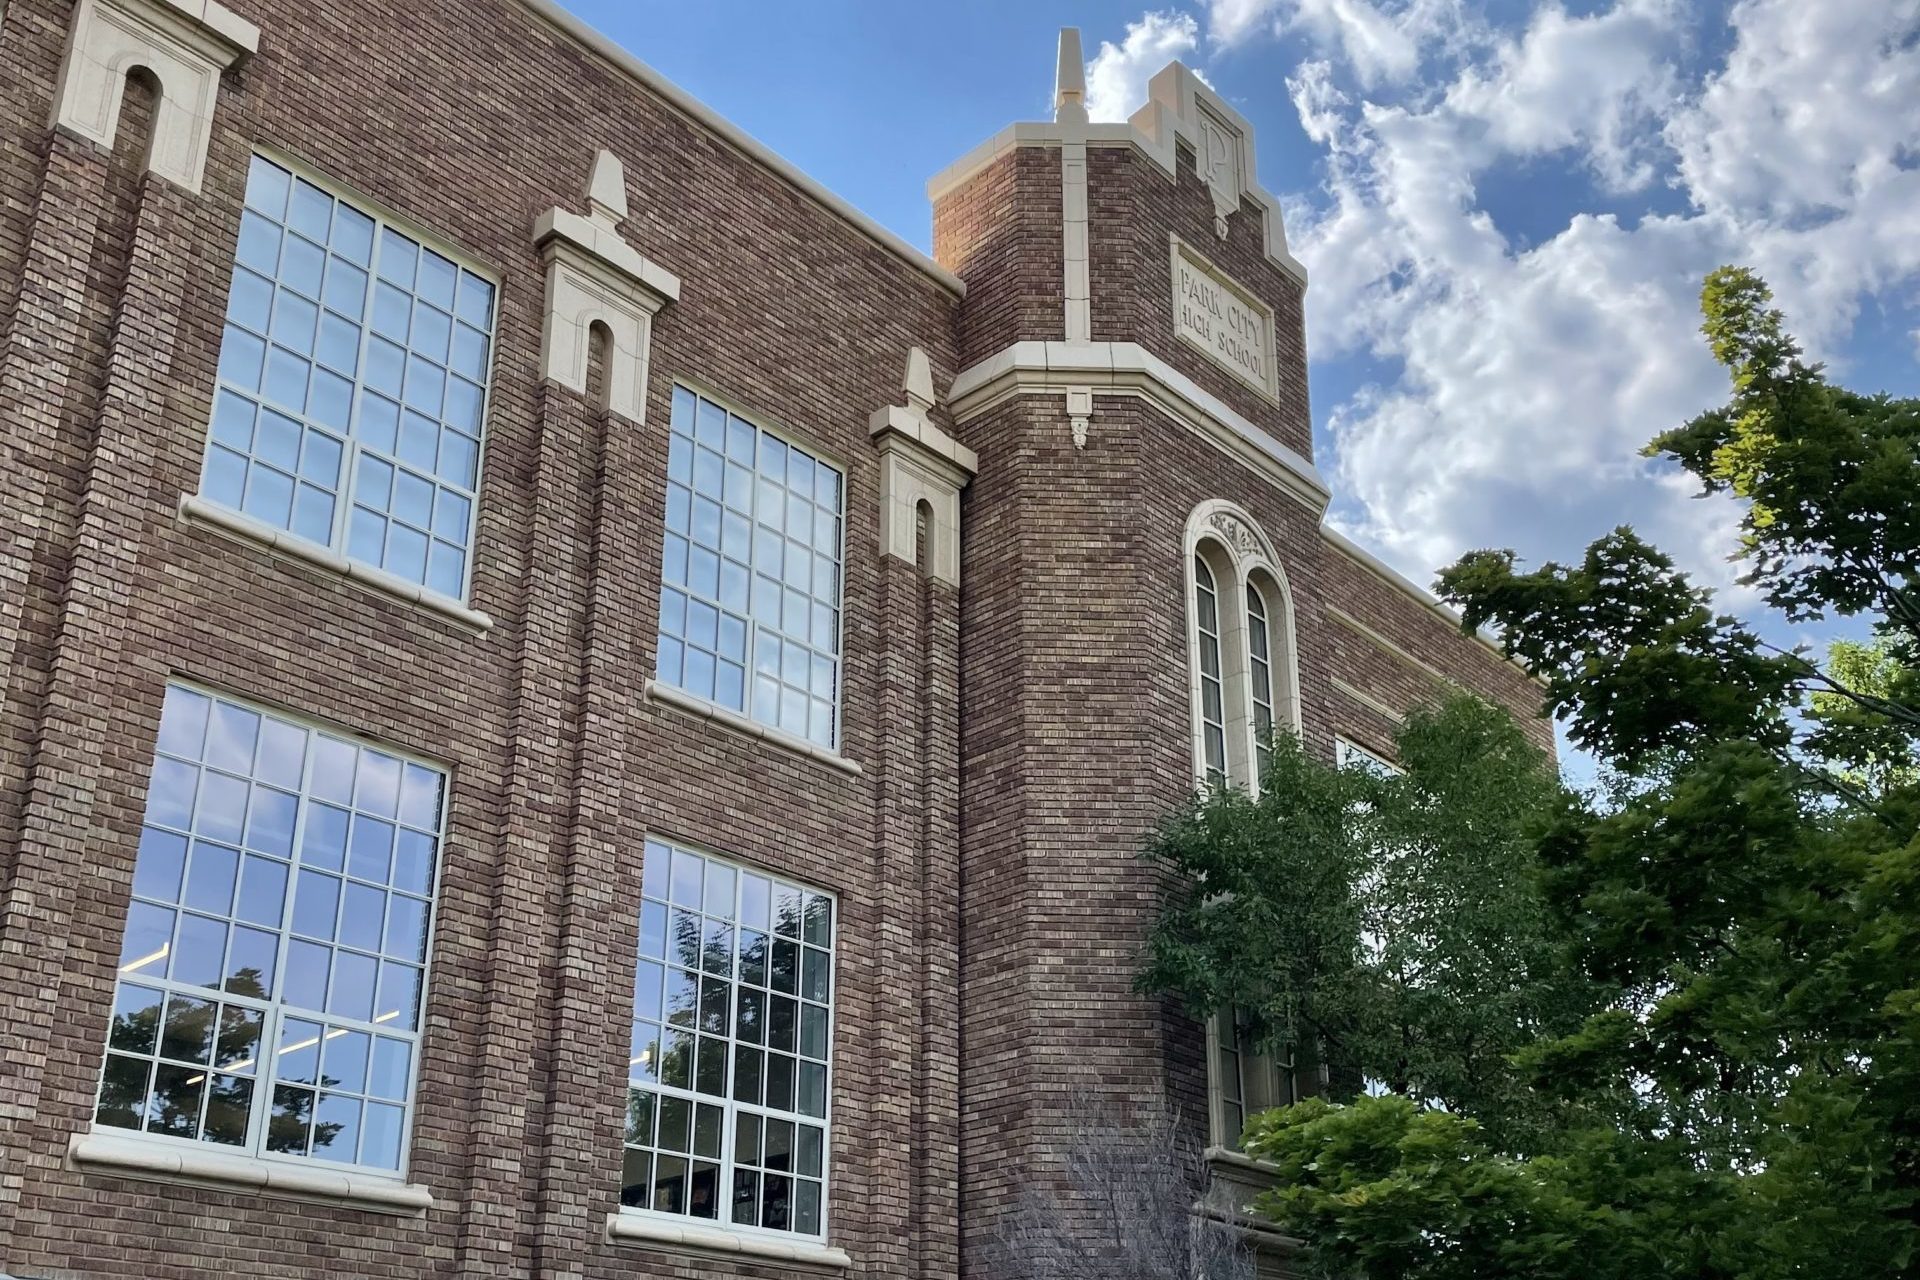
[(1210, 643), (340, 534), (1241, 558), (820, 456), (731, 1108), (274, 1010), (1242, 561), (1348, 752)]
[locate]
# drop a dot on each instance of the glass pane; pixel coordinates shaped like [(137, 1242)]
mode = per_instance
[(636, 1177), (123, 1092), (175, 1106), (136, 1019)]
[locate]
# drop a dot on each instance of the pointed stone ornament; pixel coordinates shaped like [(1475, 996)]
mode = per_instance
[(1070, 80), (607, 189), (920, 466), (919, 381)]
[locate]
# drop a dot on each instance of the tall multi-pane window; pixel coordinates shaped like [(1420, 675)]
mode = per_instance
[(1242, 688), (750, 595), (1260, 679), (1206, 602), (1246, 1080), (352, 384), (274, 961), (728, 1078)]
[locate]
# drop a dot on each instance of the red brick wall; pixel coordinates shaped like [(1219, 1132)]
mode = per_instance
[(466, 121), (1134, 208), (1000, 232)]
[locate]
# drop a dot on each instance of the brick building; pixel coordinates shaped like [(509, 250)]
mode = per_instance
[(508, 763)]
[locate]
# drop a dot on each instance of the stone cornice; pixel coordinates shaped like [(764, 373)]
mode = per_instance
[(558, 228), (1127, 368)]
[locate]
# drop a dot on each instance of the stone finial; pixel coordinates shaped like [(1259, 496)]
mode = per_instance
[(919, 382), (607, 189), (1070, 80)]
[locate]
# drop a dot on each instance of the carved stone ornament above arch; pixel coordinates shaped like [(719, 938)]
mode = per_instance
[(1230, 524)]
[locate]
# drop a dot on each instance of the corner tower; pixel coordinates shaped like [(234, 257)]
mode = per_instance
[(1134, 381)]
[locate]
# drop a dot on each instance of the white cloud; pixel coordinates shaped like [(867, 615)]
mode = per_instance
[(1593, 83), (1515, 383), (1378, 42), (1117, 77), (1804, 142)]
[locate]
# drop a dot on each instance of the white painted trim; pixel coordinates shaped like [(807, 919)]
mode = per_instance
[(717, 1242), (195, 509), (684, 701), (208, 1166), (551, 13), (1129, 369)]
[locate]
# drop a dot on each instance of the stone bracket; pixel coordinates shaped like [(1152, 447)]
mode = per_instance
[(595, 277), (1079, 410), (184, 44), (920, 465)]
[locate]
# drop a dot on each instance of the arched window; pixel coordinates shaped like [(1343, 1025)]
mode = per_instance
[(1241, 646), (1243, 686)]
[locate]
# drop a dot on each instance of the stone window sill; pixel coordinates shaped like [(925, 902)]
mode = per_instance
[(719, 1243), (221, 1170), (197, 510), (1242, 1163), (713, 711)]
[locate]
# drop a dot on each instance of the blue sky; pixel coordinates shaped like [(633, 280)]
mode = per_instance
[(1505, 207)]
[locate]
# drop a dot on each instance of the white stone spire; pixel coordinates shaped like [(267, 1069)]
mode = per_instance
[(1070, 80)]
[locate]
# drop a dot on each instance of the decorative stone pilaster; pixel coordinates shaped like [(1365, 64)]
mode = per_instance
[(920, 466), (183, 44), (595, 277)]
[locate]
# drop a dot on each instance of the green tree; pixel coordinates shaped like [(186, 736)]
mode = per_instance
[(1741, 903), (1386, 920)]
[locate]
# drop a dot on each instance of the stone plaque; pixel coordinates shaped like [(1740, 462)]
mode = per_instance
[(1216, 315)]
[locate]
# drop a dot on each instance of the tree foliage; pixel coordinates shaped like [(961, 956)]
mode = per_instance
[(1386, 920), (1735, 1089)]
